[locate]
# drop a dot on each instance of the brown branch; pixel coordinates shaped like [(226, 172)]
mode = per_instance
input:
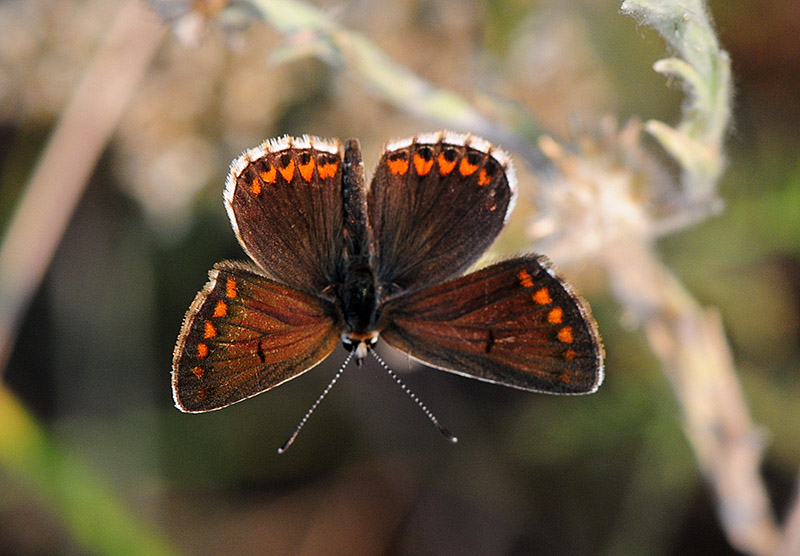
[(691, 344)]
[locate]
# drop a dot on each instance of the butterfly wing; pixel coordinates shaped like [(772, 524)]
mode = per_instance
[(513, 323), (436, 203), (284, 200), (245, 334)]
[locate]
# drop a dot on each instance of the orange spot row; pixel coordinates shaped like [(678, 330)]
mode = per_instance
[(255, 186), (570, 354), (423, 161), (542, 296), (209, 330)]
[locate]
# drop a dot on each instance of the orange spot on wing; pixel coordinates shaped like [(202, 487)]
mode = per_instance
[(565, 335), (198, 372), (398, 166), (465, 168), (555, 316), (483, 178), (202, 351), (221, 309), (270, 175), (328, 170), (288, 171), (566, 378), (422, 165), (525, 278), (230, 288), (201, 394), (445, 166), (542, 296), (307, 169), (209, 330), (255, 186), (570, 354)]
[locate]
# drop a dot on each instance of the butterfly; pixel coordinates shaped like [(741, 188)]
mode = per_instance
[(333, 260)]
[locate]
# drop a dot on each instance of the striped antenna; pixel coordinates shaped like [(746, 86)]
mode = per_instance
[(311, 409), (442, 429)]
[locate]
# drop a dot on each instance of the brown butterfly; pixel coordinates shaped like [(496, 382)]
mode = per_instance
[(333, 260)]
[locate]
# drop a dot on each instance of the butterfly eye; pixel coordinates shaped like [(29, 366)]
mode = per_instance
[(349, 344)]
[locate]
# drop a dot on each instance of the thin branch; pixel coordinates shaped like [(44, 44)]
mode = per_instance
[(690, 341), (691, 345), (310, 31)]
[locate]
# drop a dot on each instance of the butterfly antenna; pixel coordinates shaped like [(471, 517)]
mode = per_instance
[(442, 429), (311, 409)]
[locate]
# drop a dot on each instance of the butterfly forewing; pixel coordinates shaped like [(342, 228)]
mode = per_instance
[(284, 200), (513, 323), (245, 334), (436, 203)]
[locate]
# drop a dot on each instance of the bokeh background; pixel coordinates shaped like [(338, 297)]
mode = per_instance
[(610, 473)]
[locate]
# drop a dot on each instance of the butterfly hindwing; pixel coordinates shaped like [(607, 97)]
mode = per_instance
[(284, 200), (513, 323), (436, 203), (244, 334)]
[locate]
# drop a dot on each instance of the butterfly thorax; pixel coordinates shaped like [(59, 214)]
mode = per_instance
[(360, 308)]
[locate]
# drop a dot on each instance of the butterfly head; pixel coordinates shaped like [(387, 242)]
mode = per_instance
[(359, 344)]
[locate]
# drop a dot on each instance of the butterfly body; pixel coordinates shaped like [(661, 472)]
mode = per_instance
[(337, 261)]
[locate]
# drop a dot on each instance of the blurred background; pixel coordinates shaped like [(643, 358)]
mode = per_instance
[(611, 473)]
